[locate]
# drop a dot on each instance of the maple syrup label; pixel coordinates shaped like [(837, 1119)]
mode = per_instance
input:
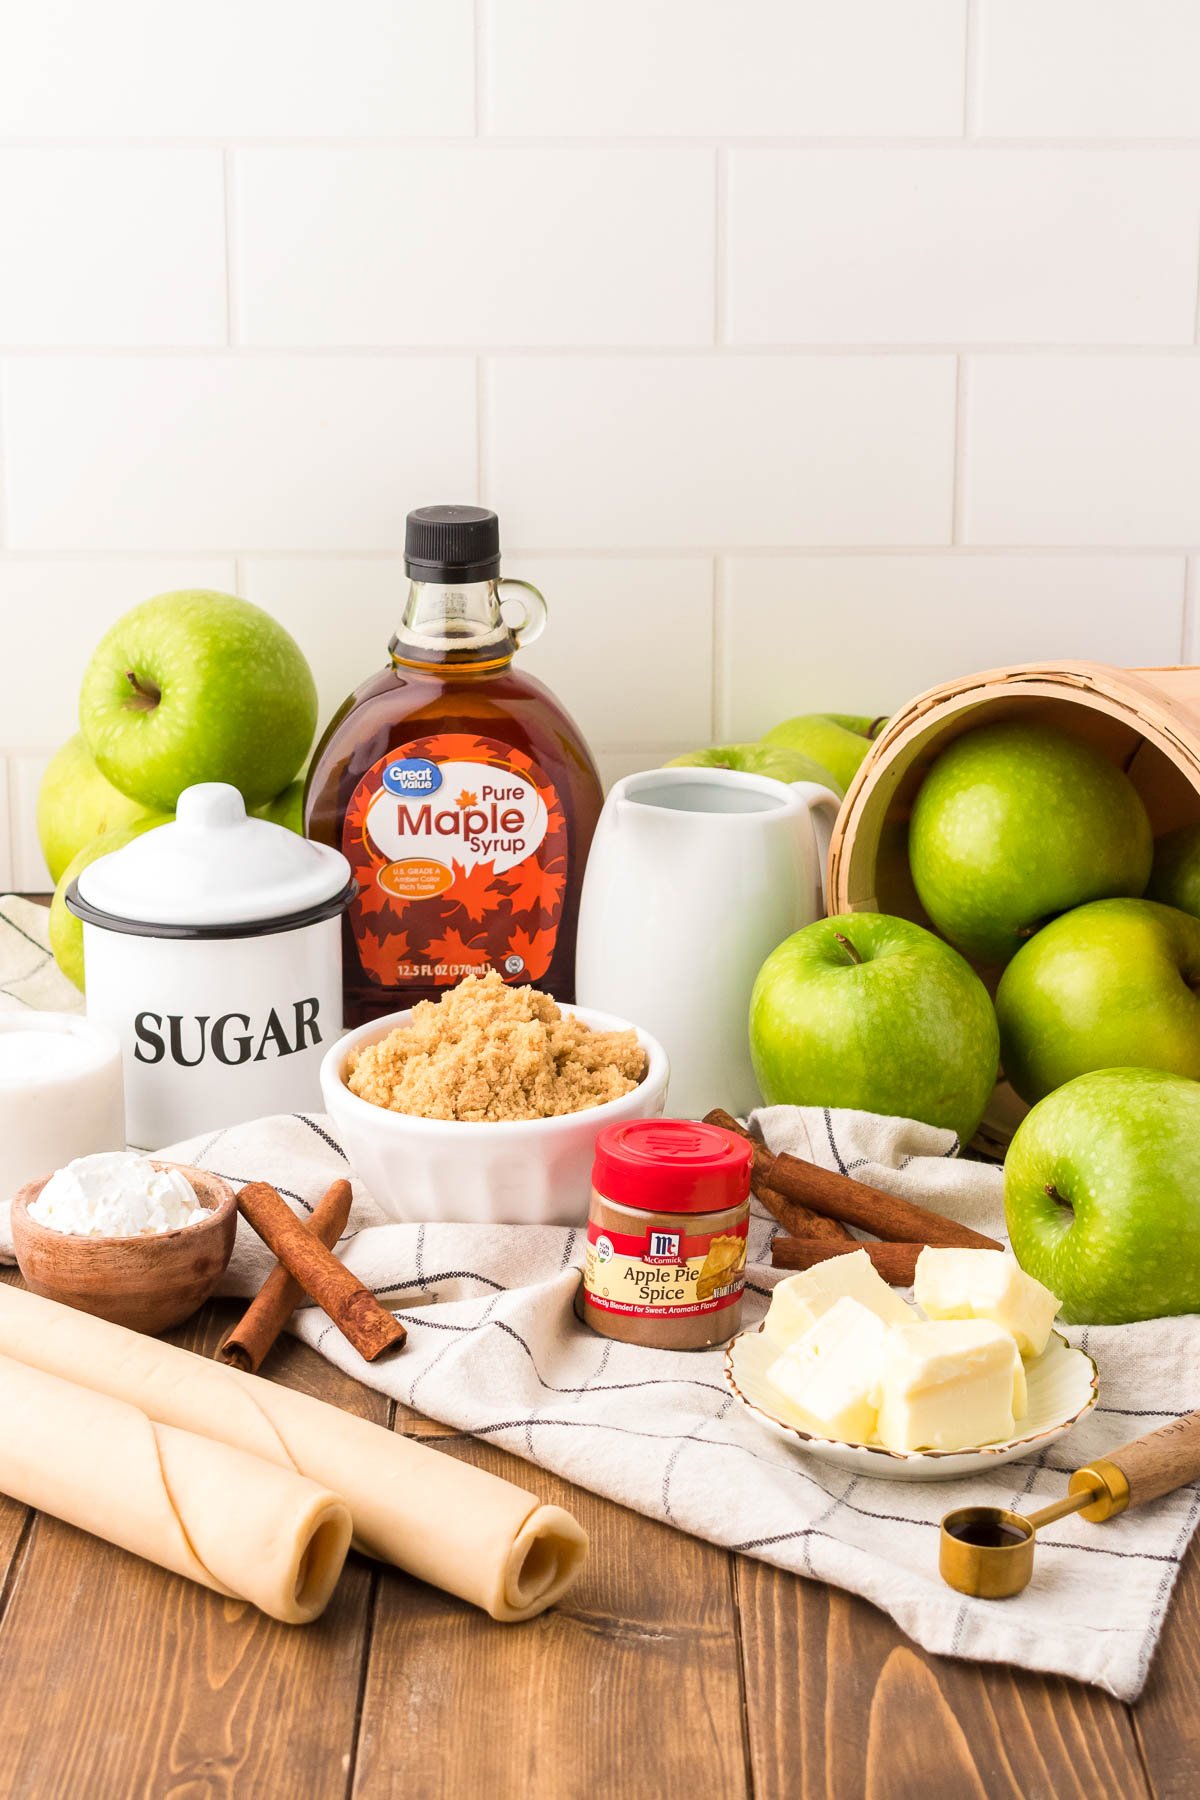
[(458, 845)]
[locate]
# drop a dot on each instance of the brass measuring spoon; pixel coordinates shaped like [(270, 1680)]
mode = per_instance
[(988, 1552)]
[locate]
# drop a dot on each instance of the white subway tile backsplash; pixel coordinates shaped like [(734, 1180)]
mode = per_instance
[(1083, 450), (949, 246), (29, 872), (213, 453), (615, 624), (244, 68), (855, 634), (677, 452), (112, 247), (704, 67), (614, 765), (1089, 68), (341, 612), (572, 246), (628, 644), (52, 616)]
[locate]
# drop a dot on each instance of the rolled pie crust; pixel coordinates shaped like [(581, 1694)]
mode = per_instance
[(442, 1520), (243, 1527)]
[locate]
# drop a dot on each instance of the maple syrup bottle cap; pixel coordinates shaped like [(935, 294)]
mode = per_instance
[(452, 544)]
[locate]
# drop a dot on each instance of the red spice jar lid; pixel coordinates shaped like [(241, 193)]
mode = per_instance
[(672, 1165)]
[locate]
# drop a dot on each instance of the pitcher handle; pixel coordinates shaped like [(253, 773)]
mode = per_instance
[(823, 808), (533, 622)]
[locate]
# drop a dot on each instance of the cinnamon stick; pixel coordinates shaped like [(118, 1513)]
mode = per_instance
[(800, 1220), (897, 1263), (370, 1327), (883, 1215), (280, 1294)]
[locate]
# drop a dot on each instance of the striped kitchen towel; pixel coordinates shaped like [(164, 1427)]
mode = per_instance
[(495, 1350)]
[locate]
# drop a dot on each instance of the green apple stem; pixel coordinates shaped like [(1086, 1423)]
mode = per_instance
[(145, 696), (877, 725), (848, 947), (1059, 1199)]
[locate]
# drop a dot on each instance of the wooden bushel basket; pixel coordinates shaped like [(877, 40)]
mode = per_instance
[(1145, 720)]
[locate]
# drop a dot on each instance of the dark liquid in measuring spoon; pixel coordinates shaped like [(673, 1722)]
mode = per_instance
[(986, 1534)]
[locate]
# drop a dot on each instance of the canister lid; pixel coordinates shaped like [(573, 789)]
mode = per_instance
[(672, 1165), (213, 867)]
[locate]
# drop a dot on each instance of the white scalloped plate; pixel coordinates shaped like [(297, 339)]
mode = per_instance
[(1062, 1387)]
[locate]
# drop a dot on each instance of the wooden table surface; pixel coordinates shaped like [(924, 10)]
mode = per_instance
[(672, 1669)]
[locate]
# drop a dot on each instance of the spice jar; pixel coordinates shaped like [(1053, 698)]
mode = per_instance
[(667, 1229)]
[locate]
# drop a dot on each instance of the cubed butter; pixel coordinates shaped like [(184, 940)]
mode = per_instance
[(986, 1284), (798, 1302), (949, 1384), (830, 1376)]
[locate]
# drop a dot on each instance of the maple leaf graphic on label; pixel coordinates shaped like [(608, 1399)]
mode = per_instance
[(535, 949), (474, 890), (535, 889), (453, 953), (466, 799)]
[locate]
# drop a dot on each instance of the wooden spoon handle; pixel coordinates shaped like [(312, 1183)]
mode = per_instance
[(1161, 1461)]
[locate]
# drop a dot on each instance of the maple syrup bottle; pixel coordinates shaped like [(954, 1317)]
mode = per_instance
[(460, 790)]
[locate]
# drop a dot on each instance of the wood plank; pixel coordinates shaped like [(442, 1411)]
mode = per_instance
[(122, 1679), (630, 1687), (1166, 1718), (842, 1706)]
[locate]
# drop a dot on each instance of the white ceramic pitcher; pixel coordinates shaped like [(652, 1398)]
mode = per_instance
[(694, 876)]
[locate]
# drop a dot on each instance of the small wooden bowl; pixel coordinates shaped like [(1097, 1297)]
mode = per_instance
[(146, 1283)]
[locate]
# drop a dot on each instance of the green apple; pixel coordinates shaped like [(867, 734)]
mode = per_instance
[(840, 741), (759, 759), (1175, 877), (66, 931), (1112, 985), (198, 686), (863, 1010), (1018, 822), (1102, 1195), (286, 809), (76, 804)]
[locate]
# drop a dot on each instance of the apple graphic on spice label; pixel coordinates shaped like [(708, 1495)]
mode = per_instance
[(76, 804), (1102, 1195), (286, 809), (1175, 877), (66, 931), (1112, 985), (198, 686), (1015, 823), (863, 1010), (759, 759), (839, 741)]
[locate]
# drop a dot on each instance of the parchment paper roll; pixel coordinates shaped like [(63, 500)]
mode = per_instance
[(450, 1524), (232, 1522)]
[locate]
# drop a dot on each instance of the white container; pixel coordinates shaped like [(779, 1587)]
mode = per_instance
[(60, 1094), (212, 948), (693, 878), (517, 1172)]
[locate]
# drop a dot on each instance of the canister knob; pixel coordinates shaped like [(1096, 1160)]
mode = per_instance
[(209, 806)]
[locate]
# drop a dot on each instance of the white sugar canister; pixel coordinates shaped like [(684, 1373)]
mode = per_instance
[(212, 948)]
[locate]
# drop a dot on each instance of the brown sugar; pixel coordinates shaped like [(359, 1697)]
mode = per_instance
[(487, 1052)]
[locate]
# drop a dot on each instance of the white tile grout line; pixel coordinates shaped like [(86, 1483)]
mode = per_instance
[(971, 69), (731, 352), (482, 423), (943, 551), (961, 373), (717, 691), (720, 226), (601, 141), (1188, 612), (479, 26), (231, 295)]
